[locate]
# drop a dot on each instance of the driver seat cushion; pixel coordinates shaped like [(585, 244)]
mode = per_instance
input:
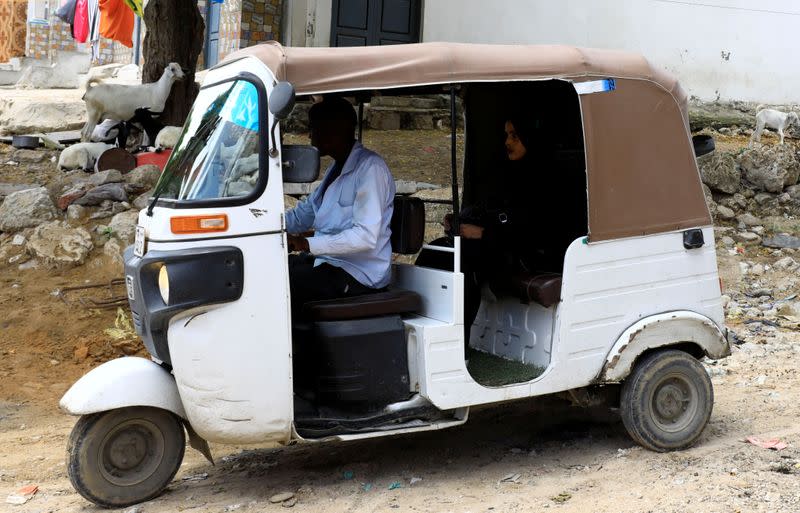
[(392, 302), (544, 288)]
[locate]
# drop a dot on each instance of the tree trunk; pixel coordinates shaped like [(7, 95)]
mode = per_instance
[(175, 33)]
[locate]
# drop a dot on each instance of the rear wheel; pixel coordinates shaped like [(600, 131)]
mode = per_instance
[(666, 401), (122, 457)]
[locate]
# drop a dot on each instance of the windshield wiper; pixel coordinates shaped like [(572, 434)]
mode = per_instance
[(190, 151)]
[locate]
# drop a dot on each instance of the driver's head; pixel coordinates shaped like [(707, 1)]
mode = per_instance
[(333, 125)]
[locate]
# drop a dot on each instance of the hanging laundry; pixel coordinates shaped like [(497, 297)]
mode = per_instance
[(67, 12), (80, 30), (94, 29), (136, 7), (116, 21)]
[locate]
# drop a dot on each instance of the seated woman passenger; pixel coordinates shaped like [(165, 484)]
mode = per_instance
[(512, 230)]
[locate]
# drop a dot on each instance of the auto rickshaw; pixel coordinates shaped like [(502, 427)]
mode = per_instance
[(635, 304)]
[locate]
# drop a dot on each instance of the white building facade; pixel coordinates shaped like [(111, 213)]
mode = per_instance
[(719, 49)]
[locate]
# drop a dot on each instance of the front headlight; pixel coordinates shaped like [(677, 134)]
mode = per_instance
[(163, 284)]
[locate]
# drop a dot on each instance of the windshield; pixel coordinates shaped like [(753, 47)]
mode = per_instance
[(217, 155)]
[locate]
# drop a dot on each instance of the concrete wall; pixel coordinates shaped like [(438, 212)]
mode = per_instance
[(727, 49)]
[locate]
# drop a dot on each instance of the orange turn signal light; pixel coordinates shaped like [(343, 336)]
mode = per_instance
[(199, 224)]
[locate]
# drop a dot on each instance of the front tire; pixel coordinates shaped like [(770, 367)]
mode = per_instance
[(666, 401), (121, 457)]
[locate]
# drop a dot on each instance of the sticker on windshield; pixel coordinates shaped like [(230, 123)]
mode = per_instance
[(241, 106), (596, 86)]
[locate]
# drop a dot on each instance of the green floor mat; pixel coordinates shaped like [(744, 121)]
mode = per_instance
[(493, 371)]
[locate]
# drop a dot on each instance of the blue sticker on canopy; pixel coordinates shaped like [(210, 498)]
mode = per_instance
[(241, 107)]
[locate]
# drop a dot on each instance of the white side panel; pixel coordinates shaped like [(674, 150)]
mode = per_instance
[(606, 288), (120, 383), (514, 330), (609, 286)]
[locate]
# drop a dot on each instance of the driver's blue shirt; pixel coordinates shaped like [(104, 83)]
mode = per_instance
[(351, 218)]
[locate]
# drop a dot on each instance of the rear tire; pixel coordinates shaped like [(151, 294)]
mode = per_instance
[(121, 457), (666, 401)]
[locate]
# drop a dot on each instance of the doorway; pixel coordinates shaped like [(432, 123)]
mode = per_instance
[(211, 54), (375, 22)]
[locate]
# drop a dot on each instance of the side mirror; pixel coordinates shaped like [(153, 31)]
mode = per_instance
[(703, 145), (300, 163), (281, 101)]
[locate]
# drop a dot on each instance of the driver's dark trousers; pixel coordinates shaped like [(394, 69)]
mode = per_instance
[(308, 283)]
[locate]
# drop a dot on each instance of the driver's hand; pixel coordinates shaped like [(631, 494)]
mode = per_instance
[(471, 231), (297, 243)]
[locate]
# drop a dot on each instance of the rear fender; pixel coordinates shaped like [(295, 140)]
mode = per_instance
[(128, 381), (663, 330)]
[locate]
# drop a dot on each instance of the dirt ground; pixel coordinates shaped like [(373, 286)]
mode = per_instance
[(527, 456)]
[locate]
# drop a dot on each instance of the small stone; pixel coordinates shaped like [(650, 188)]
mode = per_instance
[(749, 220), (782, 241), (30, 264), (725, 212), (280, 497), (58, 243), (26, 209), (75, 212), (71, 195), (18, 240), (144, 177), (106, 192), (290, 503), (728, 242), (762, 379), (748, 238), (786, 264), (758, 230), (757, 270), (135, 509), (104, 177), (726, 300), (762, 198)]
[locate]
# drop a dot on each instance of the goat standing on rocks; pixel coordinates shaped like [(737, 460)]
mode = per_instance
[(774, 119), (118, 101)]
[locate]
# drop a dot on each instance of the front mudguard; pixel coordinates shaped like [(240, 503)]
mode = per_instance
[(128, 381)]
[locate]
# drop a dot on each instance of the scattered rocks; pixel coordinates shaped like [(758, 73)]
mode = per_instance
[(109, 191), (719, 172), (18, 240), (26, 209), (728, 242), (59, 244)]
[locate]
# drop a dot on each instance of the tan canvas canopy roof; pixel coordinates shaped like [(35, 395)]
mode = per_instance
[(641, 168)]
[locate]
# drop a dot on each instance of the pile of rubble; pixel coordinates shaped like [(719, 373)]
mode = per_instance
[(754, 197), (60, 222)]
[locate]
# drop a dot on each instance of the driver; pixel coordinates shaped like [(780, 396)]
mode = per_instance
[(350, 251)]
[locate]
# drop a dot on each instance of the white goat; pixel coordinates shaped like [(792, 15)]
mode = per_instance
[(82, 155), (774, 119), (168, 137), (118, 101)]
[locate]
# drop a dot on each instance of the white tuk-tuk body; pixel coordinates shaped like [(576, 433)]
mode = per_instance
[(623, 295)]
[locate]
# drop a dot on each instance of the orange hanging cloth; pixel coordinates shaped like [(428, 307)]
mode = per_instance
[(116, 21)]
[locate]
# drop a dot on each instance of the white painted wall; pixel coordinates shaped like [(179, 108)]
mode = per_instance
[(728, 49)]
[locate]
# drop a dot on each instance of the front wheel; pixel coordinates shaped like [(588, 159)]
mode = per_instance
[(666, 401), (121, 457)]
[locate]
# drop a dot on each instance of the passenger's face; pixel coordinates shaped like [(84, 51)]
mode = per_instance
[(514, 147), (323, 136)]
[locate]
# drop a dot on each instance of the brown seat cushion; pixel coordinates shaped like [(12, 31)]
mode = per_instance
[(393, 302), (544, 289)]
